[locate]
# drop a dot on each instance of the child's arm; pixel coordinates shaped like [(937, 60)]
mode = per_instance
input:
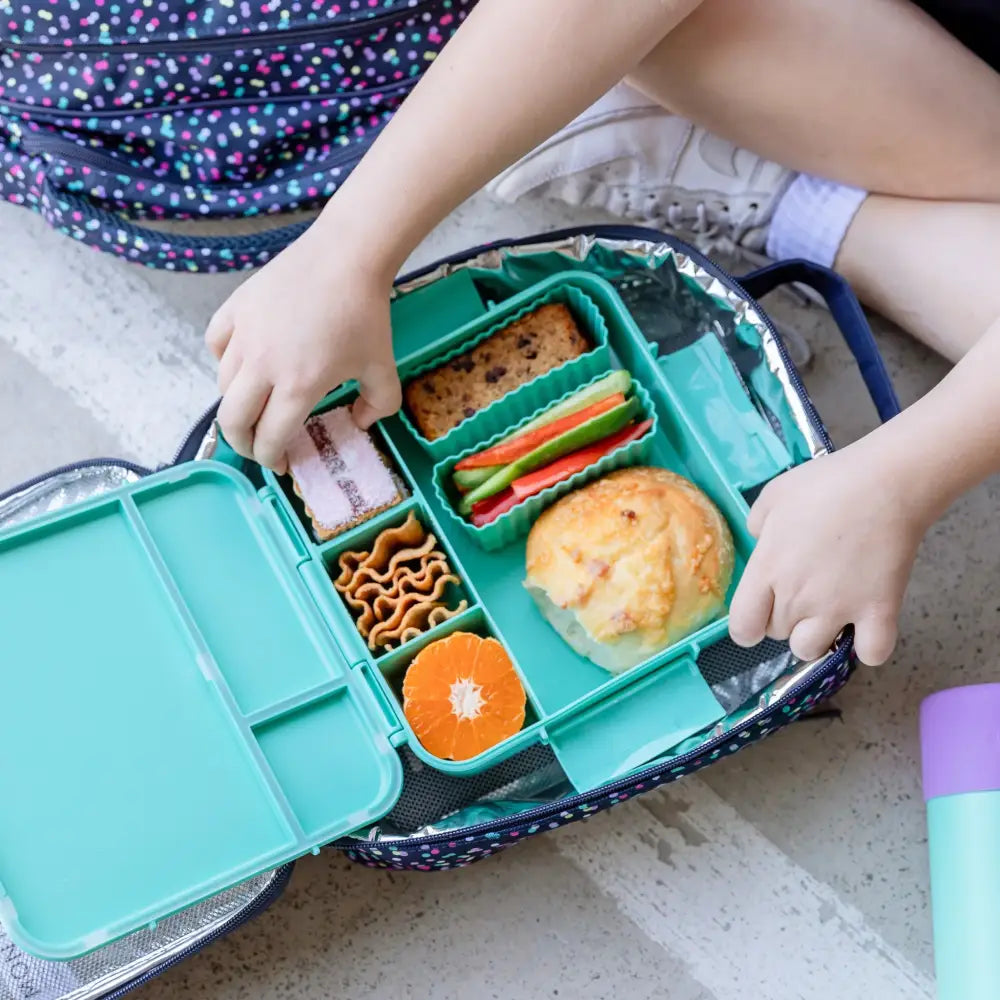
[(838, 536), (317, 316)]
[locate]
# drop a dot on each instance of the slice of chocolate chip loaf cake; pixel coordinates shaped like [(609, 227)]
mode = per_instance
[(442, 398)]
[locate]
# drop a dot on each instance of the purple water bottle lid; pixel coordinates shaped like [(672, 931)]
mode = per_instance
[(960, 740)]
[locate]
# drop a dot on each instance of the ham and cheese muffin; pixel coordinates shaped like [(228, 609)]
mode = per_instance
[(630, 564)]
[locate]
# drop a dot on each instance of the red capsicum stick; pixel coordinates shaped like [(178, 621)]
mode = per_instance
[(577, 461), (489, 510), (509, 451)]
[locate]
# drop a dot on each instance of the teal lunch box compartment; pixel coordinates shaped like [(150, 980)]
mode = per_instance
[(564, 686), (386, 671), (507, 528), (256, 725), (238, 739), (588, 298)]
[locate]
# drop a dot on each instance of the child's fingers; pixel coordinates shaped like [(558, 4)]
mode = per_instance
[(220, 330), (230, 364), (241, 408), (751, 606), (812, 637), (783, 617), (380, 396), (760, 510), (278, 424), (875, 639)]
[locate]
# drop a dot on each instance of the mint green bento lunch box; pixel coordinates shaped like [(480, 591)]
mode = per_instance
[(191, 703)]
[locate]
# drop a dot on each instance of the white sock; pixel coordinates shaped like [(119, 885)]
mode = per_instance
[(811, 219)]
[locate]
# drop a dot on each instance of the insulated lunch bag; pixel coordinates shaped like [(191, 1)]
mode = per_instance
[(740, 392), (119, 113)]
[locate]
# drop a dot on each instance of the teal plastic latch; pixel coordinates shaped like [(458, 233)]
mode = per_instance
[(290, 532), (636, 725), (717, 402), (397, 736), (421, 318)]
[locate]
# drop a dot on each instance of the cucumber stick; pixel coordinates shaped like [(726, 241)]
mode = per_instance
[(619, 381), (593, 430), (469, 479)]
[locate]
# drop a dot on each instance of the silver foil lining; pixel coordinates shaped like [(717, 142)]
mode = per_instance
[(62, 490), (23, 977)]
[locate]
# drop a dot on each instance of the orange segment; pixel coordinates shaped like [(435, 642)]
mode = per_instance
[(462, 696)]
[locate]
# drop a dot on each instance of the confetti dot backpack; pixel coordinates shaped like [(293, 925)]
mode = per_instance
[(118, 114), (691, 328)]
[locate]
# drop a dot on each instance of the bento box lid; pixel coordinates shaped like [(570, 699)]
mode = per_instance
[(178, 714)]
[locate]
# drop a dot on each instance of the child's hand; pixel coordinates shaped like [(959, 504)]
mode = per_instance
[(309, 321), (836, 543)]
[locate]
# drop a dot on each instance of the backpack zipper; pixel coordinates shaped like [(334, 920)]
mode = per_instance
[(56, 115), (289, 36), (832, 661), (199, 430), (51, 146)]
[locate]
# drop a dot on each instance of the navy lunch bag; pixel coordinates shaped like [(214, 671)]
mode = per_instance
[(115, 114)]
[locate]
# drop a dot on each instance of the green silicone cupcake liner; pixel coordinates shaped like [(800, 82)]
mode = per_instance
[(517, 522), (588, 298)]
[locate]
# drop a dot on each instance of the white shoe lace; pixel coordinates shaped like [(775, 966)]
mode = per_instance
[(712, 236)]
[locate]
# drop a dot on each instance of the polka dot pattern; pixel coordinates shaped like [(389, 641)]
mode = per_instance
[(459, 849), (183, 109)]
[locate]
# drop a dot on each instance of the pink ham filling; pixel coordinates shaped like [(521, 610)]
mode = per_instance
[(338, 471)]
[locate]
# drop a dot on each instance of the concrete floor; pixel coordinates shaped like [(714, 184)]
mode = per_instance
[(796, 869)]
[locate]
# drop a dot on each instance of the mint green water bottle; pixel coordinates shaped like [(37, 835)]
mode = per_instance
[(960, 740)]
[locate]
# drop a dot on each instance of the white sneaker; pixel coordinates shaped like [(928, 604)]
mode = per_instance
[(629, 157)]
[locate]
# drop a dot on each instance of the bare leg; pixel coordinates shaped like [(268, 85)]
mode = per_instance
[(931, 267), (866, 92)]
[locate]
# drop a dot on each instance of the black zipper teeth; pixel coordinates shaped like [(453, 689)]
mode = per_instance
[(71, 153), (262, 902), (225, 42), (90, 463), (623, 784), (57, 116), (200, 426)]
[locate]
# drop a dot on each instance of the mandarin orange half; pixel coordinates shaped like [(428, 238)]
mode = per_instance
[(462, 696)]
